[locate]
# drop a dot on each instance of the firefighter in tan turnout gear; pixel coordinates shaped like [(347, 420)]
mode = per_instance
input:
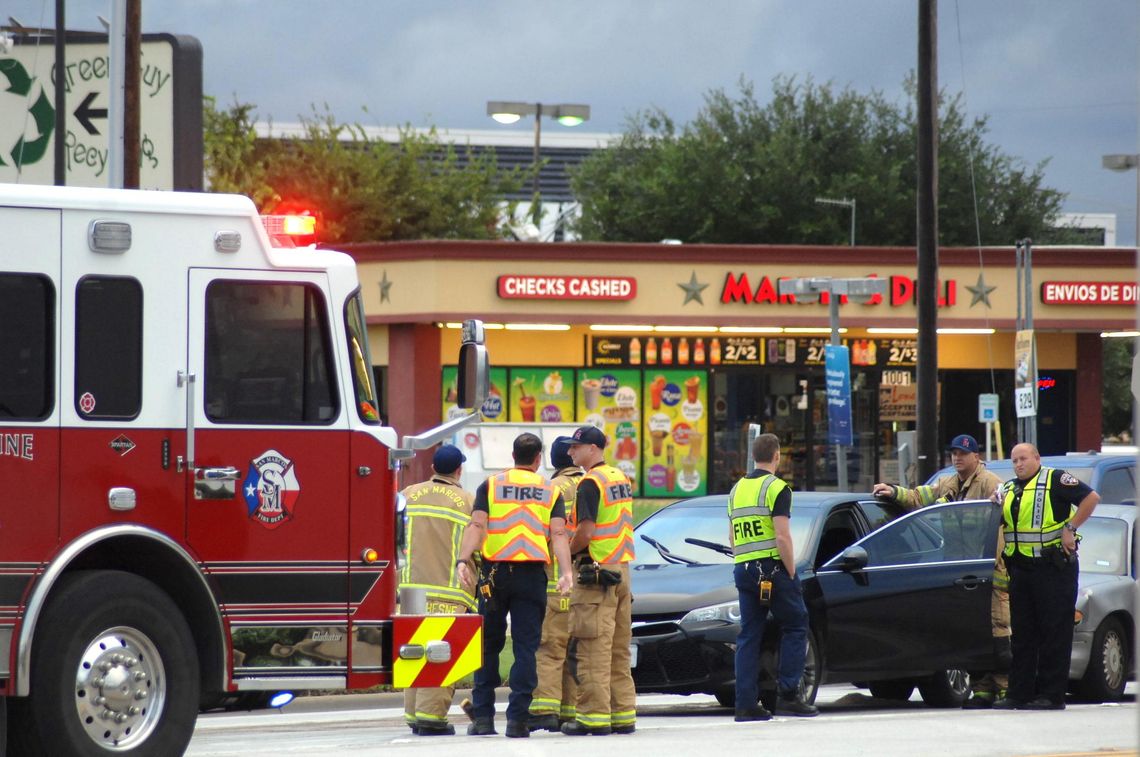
[(601, 602), (437, 511), (972, 481), (555, 695)]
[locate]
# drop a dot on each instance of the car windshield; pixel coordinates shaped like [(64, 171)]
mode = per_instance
[(1104, 546), (672, 526)]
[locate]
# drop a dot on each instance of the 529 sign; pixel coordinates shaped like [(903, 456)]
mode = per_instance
[(1024, 401)]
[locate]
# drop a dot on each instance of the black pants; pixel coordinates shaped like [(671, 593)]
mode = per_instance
[(520, 591), (1042, 595)]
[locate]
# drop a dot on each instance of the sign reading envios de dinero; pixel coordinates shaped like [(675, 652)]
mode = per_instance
[(170, 112)]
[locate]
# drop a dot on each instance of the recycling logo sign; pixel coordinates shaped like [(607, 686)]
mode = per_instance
[(28, 146), (31, 143)]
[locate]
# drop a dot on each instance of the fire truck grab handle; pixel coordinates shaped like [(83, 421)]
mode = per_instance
[(187, 379), (217, 474)]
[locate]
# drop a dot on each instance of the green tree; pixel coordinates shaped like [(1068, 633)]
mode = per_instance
[(361, 189), (1117, 414), (743, 172)]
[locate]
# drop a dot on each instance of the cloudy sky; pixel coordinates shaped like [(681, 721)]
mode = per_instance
[(1060, 80)]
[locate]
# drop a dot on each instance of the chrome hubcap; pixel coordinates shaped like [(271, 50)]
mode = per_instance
[(1113, 660), (120, 688)]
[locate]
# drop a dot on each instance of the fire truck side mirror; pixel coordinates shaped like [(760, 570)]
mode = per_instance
[(474, 367)]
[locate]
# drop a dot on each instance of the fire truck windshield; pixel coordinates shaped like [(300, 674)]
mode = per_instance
[(364, 387)]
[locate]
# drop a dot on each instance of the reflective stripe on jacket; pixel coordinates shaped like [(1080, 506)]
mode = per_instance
[(519, 502), (566, 481), (1035, 527), (437, 511), (613, 530), (750, 505)]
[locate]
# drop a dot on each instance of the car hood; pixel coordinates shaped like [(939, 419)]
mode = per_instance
[(676, 589)]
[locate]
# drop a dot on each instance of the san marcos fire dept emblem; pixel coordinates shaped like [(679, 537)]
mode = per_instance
[(271, 489)]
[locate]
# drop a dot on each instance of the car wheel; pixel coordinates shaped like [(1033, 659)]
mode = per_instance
[(809, 683), (900, 690), (946, 688), (1107, 672)]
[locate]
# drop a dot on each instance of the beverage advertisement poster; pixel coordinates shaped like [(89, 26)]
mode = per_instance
[(545, 395), (494, 408), (611, 400), (676, 433)]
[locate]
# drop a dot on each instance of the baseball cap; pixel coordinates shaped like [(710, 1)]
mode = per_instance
[(447, 459), (588, 435), (965, 442), (559, 453)]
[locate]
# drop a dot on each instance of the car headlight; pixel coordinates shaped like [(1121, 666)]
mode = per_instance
[(727, 612)]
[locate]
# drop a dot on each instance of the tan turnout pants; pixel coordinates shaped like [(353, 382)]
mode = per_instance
[(429, 706), (556, 691), (600, 634)]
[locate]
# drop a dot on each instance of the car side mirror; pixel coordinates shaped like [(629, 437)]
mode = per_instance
[(852, 559)]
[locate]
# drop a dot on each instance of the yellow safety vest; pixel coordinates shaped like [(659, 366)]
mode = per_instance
[(567, 483), (519, 502), (1035, 527), (750, 505), (613, 530)]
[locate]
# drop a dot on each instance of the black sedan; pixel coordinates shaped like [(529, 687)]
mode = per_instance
[(894, 603)]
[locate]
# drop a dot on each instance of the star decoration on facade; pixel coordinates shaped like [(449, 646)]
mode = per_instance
[(981, 292), (693, 290), (385, 287)]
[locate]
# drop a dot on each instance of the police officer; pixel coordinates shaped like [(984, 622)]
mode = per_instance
[(518, 517), (555, 695), (1042, 509), (759, 511), (437, 511), (601, 612), (971, 480)]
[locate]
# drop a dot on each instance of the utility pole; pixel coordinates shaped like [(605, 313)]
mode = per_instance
[(59, 146), (927, 368), (132, 118)]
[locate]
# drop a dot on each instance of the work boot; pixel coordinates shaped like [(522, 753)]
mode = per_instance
[(545, 722), (749, 714), (790, 704), (1043, 703), (517, 729), (574, 728), (482, 727), (625, 730), (434, 729), (1005, 703), (982, 700)]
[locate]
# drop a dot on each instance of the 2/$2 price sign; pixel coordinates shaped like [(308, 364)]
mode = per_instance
[(170, 110)]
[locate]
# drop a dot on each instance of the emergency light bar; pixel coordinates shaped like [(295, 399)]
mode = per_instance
[(290, 225)]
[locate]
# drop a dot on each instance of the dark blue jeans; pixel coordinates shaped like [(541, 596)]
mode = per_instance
[(519, 591), (788, 608)]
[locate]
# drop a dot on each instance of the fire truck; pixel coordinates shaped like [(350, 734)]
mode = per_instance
[(198, 494)]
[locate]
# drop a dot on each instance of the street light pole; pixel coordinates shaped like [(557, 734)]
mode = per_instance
[(566, 114), (844, 203)]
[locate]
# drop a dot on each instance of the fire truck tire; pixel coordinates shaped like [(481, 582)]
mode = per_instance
[(114, 670)]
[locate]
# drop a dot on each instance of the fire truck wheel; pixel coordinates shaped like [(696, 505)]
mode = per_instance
[(114, 669)]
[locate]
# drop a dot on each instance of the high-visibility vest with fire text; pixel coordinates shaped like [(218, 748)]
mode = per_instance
[(519, 502), (750, 505), (613, 530)]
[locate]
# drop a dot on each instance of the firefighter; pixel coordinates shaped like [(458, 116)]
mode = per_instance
[(759, 512), (553, 702), (437, 511), (601, 603), (973, 481), (518, 518), (1042, 508)]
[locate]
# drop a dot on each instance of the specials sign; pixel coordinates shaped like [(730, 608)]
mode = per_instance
[(527, 287)]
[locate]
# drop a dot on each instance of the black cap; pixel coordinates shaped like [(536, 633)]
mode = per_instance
[(966, 443), (560, 453), (447, 459), (588, 435)]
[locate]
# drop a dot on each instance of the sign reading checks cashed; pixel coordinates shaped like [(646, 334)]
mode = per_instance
[(526, 287)]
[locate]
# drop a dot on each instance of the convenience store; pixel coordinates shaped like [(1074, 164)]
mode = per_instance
[(674, 350)]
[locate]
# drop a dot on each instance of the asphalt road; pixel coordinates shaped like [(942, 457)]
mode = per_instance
[(851, 723)]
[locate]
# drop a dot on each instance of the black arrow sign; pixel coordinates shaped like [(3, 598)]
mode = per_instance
[(84, 113)]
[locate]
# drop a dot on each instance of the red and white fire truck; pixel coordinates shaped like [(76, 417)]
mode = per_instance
[(197, 496)]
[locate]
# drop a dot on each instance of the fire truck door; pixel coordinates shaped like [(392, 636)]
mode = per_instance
[(268, 486)]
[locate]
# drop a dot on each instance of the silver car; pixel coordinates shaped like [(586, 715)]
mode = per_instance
[(1106, 605)]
